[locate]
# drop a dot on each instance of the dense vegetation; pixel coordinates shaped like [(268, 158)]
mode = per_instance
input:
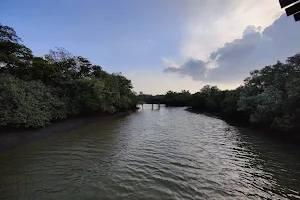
[(270, 97), (37, 90)]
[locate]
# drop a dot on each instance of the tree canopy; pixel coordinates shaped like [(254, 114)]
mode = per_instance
[(37, 90), (270, 97)]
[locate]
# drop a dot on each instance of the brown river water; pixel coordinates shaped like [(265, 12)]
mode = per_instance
[(169, 153)]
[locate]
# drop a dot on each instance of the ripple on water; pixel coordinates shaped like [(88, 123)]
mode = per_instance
[(166, 154)]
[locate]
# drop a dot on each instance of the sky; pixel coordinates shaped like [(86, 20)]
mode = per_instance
[(161, 45)]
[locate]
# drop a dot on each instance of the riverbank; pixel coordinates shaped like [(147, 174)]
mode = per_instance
[(240, 121), (151, 154), (15, 138)]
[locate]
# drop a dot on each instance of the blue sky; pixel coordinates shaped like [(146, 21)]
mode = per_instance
[(160, 45), (110, 33)]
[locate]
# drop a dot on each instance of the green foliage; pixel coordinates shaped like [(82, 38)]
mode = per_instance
[(27, 104), (14, 57), (271, 95), (37, 90), (229, 103), (182, 98)]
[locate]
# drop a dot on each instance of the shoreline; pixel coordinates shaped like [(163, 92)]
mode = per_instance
[(287, 136), (16, 138)]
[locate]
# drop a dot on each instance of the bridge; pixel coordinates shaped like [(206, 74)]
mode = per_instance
[(149, 99), (152, 105)]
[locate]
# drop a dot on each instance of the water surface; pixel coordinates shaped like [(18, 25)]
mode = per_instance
[(153, 154)]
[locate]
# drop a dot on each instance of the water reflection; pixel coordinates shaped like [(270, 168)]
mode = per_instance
[(278, 162), (166, 154)]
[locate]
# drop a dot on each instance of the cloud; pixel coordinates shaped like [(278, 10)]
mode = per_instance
[(151, 81), (170, 63), (241, 47), (254, 50), (211, 23), (190, 68)]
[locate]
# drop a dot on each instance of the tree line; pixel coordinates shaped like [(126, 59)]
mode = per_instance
[(270, 97), (37, 90)]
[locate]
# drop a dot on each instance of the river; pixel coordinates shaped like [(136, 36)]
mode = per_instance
[(164, 154)]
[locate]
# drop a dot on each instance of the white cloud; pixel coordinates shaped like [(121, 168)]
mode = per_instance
[(211, 23), (169, 63), (217, 47), (154, 82), (254, 50)]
